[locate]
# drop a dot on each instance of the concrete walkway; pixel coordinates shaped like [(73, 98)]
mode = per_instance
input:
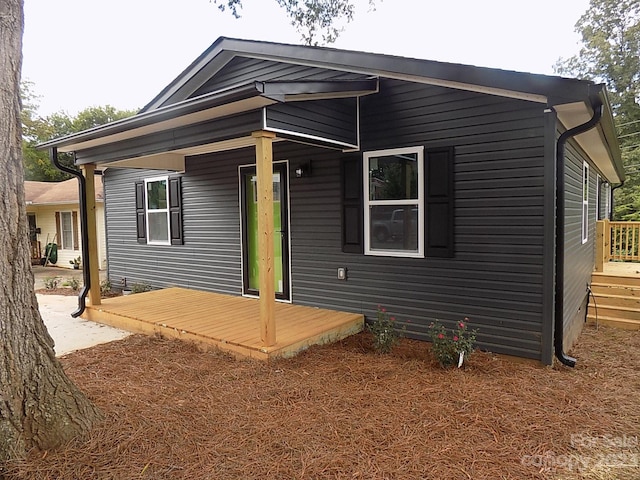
[(69, 334)]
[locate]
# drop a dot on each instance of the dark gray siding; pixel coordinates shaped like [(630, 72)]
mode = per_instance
[(579, 257), (210, 256), (243, 70), (334, 120), (495, 279)]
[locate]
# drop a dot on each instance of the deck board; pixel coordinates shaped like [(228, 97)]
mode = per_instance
[(224, 321)]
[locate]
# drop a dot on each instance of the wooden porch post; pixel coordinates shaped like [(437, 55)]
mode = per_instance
[(607, 240), (603, 243), (92, 255), (264, 174)]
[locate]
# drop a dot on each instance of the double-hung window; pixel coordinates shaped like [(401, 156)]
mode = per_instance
[(157, 203), (394, 202), (66, 230)]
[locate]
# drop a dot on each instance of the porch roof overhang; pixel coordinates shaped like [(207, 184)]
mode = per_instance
[(244, 98), (600, 143)]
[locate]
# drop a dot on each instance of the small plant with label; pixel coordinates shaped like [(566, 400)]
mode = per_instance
[(385, 333), (451, 347)]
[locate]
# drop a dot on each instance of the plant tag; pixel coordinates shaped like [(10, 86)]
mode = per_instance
[(460, 359)]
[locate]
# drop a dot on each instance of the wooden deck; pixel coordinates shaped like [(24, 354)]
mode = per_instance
[(223, 321), (622, 269)]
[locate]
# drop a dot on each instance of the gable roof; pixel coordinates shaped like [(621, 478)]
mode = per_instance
[(186, 101), (58, 193), (541, 88)]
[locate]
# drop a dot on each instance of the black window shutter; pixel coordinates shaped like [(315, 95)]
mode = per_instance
[(352, 214), (175, 210), (439, 170), (141, 227)]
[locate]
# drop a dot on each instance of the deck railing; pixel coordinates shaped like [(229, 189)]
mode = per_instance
[(617, 241)]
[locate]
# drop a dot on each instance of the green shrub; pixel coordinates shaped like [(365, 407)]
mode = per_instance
[(385, 334), (140, 287), (51, 283), (74, 283), (105, 287)]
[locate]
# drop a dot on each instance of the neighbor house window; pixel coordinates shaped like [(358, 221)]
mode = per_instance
[(394, 202), (66, 227), (585, 202), (157, 203), (67, 230)]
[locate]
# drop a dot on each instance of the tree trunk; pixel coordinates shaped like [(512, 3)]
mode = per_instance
[(39, 406)]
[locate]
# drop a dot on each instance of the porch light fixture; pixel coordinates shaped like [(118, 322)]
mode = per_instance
[(303, 170)]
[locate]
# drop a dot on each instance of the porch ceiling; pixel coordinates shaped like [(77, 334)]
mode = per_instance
[(175, 159)]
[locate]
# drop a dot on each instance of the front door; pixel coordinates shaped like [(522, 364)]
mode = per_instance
[(249, 208)]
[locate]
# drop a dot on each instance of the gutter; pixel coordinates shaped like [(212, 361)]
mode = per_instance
[(598, 106), (82, 185), (611, 199)]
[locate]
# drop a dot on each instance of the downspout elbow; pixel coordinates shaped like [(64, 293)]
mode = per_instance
[(82, 296), (597, 106)]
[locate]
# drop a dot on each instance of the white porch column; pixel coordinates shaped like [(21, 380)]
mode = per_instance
[(264, 174)]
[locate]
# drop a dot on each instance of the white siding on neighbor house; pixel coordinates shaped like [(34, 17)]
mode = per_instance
[(46, 221)]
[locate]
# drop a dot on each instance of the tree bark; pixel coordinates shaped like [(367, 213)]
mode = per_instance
[(39, 406)]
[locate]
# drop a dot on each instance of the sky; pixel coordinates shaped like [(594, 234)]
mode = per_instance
[(84, 53)]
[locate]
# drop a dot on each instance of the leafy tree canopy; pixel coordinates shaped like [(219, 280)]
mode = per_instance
[(610, 53), (317, 21), (37, 130)]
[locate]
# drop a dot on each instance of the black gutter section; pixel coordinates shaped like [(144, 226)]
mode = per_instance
[(611, 199), (82, 187), (597, 105)]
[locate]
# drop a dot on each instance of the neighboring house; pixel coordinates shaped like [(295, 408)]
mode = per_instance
[(457, 162), (53, 214)]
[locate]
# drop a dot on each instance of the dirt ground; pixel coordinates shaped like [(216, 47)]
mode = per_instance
[(344, 412)]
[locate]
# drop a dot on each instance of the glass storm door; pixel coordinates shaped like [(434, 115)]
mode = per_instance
[(250, 258)]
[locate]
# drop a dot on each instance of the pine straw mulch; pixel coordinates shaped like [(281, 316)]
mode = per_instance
[(342, 411)]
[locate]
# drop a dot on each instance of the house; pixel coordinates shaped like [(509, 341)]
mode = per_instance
[(53, 215), (488, 182)]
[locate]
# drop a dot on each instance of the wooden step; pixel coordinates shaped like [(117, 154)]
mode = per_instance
[(631, 314), (613, 322), (621, 290), (603, 278), (609, 300)]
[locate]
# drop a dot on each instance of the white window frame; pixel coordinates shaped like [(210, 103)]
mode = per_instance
[(599, 185), (63, 244), (607, 200), (419, 203), (159, 210), (585, 202)]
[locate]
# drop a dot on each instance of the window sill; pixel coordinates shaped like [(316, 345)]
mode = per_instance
[(394, 253)]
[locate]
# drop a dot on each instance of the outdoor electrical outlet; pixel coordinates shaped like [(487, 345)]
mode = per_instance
[(342, 273)]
